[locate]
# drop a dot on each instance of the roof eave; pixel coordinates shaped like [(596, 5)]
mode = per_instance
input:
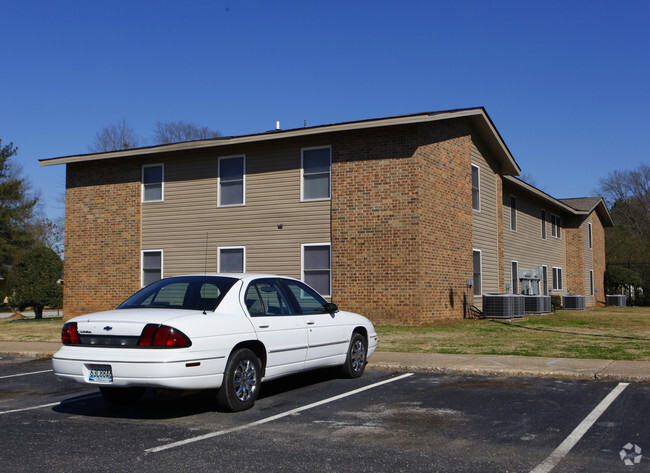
[(478, 117)]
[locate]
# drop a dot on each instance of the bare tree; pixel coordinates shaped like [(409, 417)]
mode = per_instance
[(627, 194), (180, 131), (114, 137)]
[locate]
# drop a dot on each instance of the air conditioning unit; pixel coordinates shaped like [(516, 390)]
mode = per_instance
[(616, 300), (538, 304), (573, 302), (503, 306)]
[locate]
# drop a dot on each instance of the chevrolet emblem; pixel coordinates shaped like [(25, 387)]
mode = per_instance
[(108, 328)]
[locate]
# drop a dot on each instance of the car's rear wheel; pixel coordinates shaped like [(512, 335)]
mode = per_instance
[(122, 396), (241, 382), (355, 362)]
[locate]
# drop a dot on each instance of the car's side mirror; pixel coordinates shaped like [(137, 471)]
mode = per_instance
[(330, 307)]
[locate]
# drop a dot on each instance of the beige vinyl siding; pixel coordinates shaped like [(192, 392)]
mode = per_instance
[(526, 245), (190, 227), (485, 222)]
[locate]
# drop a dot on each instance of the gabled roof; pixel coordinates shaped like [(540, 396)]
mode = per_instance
[(576, 206), (588, 204), (478, 117)]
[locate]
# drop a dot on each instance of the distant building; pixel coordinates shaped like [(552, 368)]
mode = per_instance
[(389, 217)]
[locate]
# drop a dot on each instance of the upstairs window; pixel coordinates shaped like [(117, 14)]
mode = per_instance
[(316, 173), (543, 219), (556, 226), (317, 268), (589, 237), (232, 259), (513, 213), (476, 188), (151, 266), (231, 181), (152, 182)]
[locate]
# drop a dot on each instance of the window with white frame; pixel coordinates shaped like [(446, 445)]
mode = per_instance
[(476, 187), (152, 264), (317, 267), (231, 180), (543, 219), (557, 278), (232, 259), (556, 226), (316, 168), (153, 176), (589, 236), (513, 213), (477, 273), (514, 269), (591, 282), (545, 280)]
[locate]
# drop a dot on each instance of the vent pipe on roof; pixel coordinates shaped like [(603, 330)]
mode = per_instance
[(277, 125)]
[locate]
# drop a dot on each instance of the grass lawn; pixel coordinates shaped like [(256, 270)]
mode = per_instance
[(607, 333)]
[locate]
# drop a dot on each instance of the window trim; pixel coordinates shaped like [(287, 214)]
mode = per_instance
[(162, 183), (591, 282), (514, 276), (478, 188), (557, 277), (302, 264), (219, 248), (590, 236), (480, 272), (302, 174), (513, 213), (162, 264), (544, 280), (542, 217), (243, 180)]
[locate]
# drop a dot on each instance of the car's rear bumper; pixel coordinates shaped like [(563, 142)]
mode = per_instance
[(182, 373)]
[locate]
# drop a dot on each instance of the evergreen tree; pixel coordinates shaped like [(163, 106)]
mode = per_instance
[(16, 210), (33, 281)]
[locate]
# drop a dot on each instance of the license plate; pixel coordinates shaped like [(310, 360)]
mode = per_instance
[(100, 374)]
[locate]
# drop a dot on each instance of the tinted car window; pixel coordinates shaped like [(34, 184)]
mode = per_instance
[(308, 300), (266, 297), (187, 292)]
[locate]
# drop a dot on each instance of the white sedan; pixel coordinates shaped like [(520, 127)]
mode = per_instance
[(223, 331)]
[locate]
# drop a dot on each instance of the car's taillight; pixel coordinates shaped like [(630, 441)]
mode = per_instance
[(162, 336), (69, 334)]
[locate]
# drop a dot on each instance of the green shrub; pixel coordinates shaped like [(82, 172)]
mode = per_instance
[(556, 303)]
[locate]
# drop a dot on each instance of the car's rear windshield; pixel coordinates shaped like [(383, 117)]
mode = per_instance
[(185, 292)]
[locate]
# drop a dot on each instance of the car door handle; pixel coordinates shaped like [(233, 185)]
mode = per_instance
[(311, 322), (264, 326)]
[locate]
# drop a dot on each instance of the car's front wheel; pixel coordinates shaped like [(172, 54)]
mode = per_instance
[(355, 362), (122, 396), (241, 382)]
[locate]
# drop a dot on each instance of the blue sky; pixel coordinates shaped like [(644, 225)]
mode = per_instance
[(565, 82)]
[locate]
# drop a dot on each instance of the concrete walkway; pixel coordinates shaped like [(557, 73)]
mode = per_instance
[(485, 365)]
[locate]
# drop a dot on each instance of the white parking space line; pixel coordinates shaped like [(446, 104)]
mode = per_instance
[(52, 404), (25, 374), (560, 452), (273, 418)]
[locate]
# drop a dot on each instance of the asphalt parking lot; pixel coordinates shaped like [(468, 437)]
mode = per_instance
[(317, 422)]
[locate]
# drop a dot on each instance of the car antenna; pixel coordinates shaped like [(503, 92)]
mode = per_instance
[(205, 266)]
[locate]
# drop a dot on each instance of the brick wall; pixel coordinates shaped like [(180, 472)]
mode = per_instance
[(598, 239), (401, 221), (574, 232), (102, 235)]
